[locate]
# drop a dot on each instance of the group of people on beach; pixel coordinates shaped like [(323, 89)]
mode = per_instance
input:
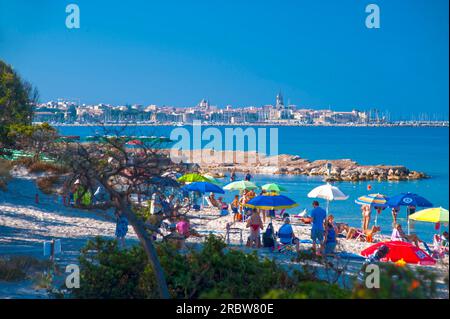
[(324, 230)]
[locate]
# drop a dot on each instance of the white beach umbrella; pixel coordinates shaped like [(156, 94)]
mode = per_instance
[(327, 192)]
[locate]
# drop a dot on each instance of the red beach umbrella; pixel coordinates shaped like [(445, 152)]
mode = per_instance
[(401, 250)]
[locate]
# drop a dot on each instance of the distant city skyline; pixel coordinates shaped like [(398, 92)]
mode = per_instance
[(319, 54)]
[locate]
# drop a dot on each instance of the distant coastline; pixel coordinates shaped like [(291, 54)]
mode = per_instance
[(401, 124)]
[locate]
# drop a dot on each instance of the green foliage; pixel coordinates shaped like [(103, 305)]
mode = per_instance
[(108, 272), (210, 272), (310, 290), (16, 99), (400, 283), (18, 268), (34, 138)]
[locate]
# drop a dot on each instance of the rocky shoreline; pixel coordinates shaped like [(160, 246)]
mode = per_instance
[(223, 162)]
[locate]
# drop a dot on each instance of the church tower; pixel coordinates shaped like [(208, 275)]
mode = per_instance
[(279, 102)]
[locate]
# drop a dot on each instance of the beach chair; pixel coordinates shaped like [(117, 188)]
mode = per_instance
[(286, 243), (233, 230), (439, 250)]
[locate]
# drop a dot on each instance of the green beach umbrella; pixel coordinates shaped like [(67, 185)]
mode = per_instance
[(193, 177), (240, 186), (212, 179), (272, 187)]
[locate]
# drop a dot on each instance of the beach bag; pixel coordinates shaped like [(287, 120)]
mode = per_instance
[(268, 237), (239, 216)]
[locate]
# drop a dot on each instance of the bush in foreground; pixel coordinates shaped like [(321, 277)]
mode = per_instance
[(210, 272)]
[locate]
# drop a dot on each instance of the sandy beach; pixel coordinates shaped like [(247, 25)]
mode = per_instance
[(25, 225)]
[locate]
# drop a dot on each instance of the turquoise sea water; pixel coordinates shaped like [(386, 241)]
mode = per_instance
[(419, 148)]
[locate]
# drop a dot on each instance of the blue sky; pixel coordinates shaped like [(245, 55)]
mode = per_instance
[(240, 52)]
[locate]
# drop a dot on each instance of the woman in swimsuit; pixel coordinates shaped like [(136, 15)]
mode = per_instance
[(256, 225)]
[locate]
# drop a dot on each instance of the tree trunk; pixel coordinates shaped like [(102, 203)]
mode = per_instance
[(149, 248)]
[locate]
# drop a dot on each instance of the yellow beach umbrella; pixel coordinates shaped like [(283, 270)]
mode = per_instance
[(431, 215)]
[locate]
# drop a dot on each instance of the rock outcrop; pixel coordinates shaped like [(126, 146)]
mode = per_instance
[(333, 170)]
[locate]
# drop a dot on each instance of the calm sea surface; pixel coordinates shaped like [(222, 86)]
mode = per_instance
[(424, 149)]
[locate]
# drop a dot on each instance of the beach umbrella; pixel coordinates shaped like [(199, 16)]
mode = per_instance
[(192, 177), (272, 187), (431, 215), (374, 200), (271, 202), (399, 250), (327, 192), (240, 186), (203, 187), (408, 199), (212, 179)]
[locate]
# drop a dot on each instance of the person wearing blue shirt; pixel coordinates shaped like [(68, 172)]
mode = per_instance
[(318, 215), (287, 236)]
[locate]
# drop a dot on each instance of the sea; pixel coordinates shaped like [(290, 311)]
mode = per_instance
[(423, 149)]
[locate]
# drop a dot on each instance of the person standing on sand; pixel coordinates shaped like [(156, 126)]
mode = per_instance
[(395, 211), (121, 227), (235, 207), (318, 215), (366, 211), (255, 224)]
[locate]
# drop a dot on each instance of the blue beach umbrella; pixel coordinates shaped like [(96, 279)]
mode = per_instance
[(408, 199), (271, 202), (203, 187)]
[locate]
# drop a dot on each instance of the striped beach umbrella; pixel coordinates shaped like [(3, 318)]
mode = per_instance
[(374, 200)]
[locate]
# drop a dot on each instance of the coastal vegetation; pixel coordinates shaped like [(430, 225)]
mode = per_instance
[(17, 98), (215, 271)]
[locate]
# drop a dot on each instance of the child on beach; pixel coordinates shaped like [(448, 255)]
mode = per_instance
[(235, 207), (330, 236)]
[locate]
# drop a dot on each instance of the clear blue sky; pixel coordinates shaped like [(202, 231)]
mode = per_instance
[(240, 52)]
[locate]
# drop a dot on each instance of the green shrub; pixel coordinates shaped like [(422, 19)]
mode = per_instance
[(400, 283), (209, 272), (310, 290), (18, 268)]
